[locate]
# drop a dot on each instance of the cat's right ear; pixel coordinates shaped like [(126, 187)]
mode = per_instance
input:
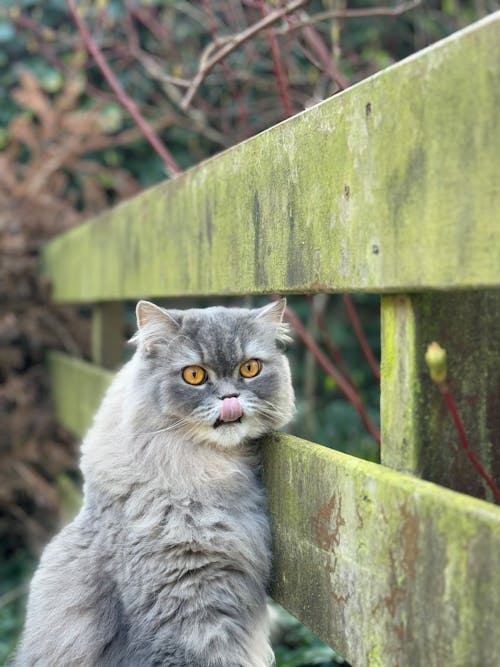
[(155, 326)]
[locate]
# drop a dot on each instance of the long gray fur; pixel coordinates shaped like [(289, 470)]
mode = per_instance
[(168, 561)]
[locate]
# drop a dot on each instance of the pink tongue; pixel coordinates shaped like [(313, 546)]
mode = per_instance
[(231, 409)]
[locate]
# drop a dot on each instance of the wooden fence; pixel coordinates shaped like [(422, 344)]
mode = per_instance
[(391, 187)]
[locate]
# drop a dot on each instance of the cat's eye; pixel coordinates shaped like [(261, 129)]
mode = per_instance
[(194, 375), (250, 368)]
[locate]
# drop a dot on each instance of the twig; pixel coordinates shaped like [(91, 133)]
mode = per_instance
[(13, 595), (156, 70), (360, 335), (349, 14), (132, 36), (168, 85), (278, 68), (315, 41), (123, 98), (329, 368), (43, 33), (435, 358), (334, 352), (155, 27), (233, 90), (61, 331), (234, 42), (450, 404)]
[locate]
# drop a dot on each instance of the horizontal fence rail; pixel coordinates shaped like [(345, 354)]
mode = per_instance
[(388, 569), (391, 185)]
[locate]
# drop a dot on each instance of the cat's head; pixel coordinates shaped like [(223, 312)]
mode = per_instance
[(216, 374)]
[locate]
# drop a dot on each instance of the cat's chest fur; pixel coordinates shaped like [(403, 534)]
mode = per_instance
[(172, 553), (161, 535)]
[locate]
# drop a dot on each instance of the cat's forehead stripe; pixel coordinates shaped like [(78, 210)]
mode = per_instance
[(221, 339)]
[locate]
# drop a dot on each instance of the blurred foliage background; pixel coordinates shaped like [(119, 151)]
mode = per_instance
[(69, 147)]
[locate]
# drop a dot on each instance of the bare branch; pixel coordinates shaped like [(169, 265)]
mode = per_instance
[(349, 392), (228, 75), (349, 14), (315, 41), (232, 43), (327, 340), (13, 594), (122, 96), (278, 68), (169, 86), (360, 335)]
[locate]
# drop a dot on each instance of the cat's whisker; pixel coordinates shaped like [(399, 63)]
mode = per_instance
[(170, 427)]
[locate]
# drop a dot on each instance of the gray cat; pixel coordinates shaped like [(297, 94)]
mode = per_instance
[(168, 561)]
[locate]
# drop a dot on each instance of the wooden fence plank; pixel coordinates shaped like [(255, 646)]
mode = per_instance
[(390, 570), (77, 390), (391, 185), (107, 334), (418, 435)]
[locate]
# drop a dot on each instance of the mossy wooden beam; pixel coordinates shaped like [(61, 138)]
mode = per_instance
[(77, 390), (418, 434), (107, 334), (390, 185), (388, 569), (391, 571)]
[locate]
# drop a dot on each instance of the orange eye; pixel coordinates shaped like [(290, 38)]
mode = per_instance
[(250, 368), (194, 375)]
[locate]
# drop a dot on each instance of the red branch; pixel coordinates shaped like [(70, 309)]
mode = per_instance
[(234, 42), (362, 12), (334, 352), (450, 403), (155, 27), (233, 90), (316, 43), (358, 330), (122, 96), (278, 68), (343, 385)]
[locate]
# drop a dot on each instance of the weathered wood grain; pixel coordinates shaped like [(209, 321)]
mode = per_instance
[(391, 571), (388, 569), (391, 185), (418, 435), (107, 334), (77, 390)]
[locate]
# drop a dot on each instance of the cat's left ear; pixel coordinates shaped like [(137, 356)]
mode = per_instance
[(154, 326), (273, 314), (148, 313)]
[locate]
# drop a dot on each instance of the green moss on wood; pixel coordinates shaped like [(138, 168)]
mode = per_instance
[(77, 390), (406, 197), (399, 385), (107, 334), (418, 435), (388, 569)]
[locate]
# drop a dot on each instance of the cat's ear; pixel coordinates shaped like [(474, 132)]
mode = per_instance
[(154, 326), (148, 313), (273, 314)]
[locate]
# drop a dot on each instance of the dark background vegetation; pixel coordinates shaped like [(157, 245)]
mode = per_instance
[(68, 148)]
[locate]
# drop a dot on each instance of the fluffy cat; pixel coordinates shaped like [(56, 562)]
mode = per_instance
[(168, 561)]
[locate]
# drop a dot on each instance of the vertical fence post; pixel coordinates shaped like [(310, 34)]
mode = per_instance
[(418, 435), (107, 334)]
